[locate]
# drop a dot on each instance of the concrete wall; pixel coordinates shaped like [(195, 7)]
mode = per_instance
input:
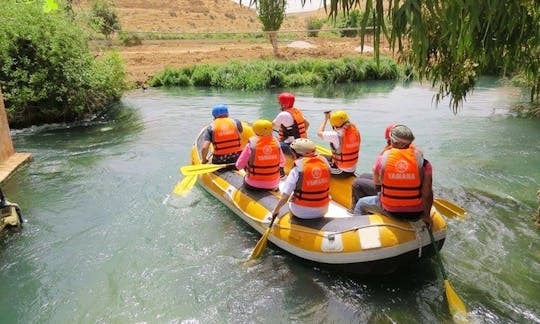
[(6, 145)]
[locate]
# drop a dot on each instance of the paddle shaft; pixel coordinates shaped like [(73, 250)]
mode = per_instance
[(197, 169), (438, 256)]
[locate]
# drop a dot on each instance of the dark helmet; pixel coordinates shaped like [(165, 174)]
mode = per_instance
[(220, 111), (286, 99)]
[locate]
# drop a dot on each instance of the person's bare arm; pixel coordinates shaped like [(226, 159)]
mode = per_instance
[(204, 152), (306, 122), (427, 198), (282, 201), (320, 131)]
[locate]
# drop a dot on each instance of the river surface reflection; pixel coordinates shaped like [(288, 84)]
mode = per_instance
[(105, 242)]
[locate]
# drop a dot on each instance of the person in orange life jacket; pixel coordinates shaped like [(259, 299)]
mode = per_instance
[(344, 141), (405, 177), (308, 182), (224, 134), (364, 185), (262, 158), (290, 122)]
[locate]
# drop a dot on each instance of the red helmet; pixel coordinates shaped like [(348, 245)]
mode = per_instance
[(286, 100), (387, 131)]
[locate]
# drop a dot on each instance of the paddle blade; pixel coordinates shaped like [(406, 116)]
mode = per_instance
[(261, 245), (323, 150), (449, 209), (184, 186), (458, 310), (197, 169)]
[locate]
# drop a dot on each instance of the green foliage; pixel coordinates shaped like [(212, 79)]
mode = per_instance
[(271, 14), (202, 75), (260, 75), (452, 42), (129, 39), (170, 77), (313, 26), (350, 23), (47, 74), (104, 18)]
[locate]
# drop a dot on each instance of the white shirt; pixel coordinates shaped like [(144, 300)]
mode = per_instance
[(284, 118), (287, 188)]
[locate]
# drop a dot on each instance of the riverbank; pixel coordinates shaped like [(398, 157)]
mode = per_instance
[(201, 18)]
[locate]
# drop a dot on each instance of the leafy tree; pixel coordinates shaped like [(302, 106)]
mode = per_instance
[(452, 42), (104, 18), (47, 73), (271, 14)]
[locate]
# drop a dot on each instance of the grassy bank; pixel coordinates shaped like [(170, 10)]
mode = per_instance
[(265, 74)]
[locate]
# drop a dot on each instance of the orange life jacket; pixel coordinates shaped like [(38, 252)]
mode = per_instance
[(297, 129), (226, 136), (263, 164), (346, 156), (401, 174), (313, 186)]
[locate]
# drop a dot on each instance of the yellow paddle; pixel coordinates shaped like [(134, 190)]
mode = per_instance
[(197, 169), (257, 251), (457, 308), (449, 209), (183, 187), (323, 150)]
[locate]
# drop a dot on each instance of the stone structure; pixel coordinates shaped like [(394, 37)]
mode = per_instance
[(9, 159)]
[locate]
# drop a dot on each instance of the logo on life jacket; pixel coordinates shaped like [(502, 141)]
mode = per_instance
[(267, 154), (316, 173), (401, 168)]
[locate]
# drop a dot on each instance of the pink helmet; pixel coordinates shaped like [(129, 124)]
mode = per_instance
[(387, 131)]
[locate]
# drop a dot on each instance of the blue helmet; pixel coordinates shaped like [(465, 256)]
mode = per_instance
[(220, 111)]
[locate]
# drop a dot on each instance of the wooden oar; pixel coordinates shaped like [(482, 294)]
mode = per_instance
[(197, 169), (458, 310), (183, 187), (449, 209), (257, 251)]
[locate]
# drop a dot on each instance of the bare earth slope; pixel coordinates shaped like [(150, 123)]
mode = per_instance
[(198, 16)]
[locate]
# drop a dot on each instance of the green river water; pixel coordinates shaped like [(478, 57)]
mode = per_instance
[(106, 242)]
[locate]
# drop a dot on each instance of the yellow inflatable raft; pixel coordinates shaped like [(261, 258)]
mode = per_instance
[(367, 244)]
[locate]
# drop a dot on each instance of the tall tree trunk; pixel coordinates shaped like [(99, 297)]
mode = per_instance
[(274, 41)]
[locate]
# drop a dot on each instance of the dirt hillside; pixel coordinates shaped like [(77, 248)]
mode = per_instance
[(204, 16)]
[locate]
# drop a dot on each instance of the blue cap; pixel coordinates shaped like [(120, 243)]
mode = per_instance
[(220, 111)]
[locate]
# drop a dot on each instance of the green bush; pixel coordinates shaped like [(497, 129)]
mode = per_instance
[(271, 74), (170, 77), (129, 39), (202, 75), (104, 18), (314, 25), (47, 73), (352, 21)]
